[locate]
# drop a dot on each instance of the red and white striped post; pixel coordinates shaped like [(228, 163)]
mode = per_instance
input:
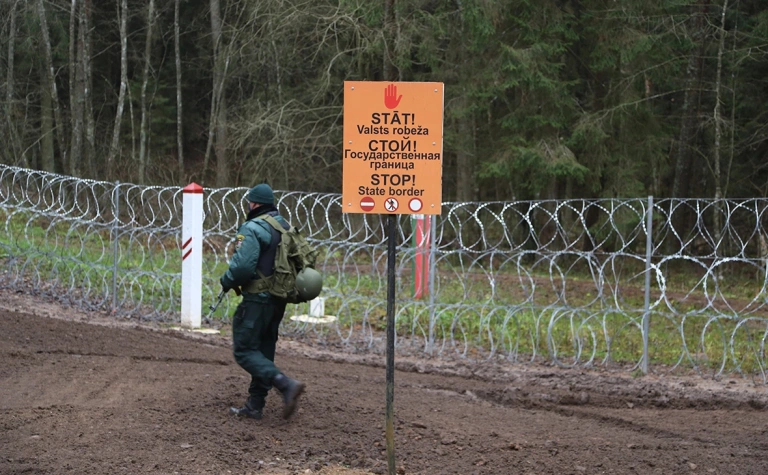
[(192, 256), (421, 241)]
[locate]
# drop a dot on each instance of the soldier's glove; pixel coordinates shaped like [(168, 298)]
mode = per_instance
[(225, 288)]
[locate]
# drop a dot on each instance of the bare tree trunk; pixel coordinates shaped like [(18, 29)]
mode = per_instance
[(46, 130), (144, 132), (90, 132), (684, 152), (133, 124), (11, 45), (72, 61), (222, 159), (76, 90), (732, 147), (179, 129), (685, 170), (218, 101), (52, 84), (718, 221), (122, 13), (9, 92), (211, 129), (215, 24), (718, 102)]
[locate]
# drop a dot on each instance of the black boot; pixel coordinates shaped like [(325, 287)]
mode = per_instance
[(251, 409), (291, 390)]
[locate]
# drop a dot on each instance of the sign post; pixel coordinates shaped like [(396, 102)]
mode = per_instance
[(392, 164), (393, 147)]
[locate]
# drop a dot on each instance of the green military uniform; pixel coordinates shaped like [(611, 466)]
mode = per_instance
[(257, 318)]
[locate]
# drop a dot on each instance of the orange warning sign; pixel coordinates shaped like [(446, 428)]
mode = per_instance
[(393, 147)]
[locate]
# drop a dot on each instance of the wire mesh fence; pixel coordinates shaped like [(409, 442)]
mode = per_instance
[(573, 282)]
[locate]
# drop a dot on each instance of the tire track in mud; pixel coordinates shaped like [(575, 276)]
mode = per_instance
[(671, 441), (585, 410), (159, 359), (582, 404)]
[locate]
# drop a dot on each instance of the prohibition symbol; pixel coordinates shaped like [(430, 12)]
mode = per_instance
[(367, 203), (415, 205), (391, 204)]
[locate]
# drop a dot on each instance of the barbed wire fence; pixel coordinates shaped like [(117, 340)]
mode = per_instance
[(679, 284)]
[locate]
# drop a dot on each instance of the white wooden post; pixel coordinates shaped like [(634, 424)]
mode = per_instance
[(192, 256)]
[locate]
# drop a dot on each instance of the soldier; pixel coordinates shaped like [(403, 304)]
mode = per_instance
[(258, 316)]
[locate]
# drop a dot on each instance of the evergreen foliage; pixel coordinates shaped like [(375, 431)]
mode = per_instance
[(544, 99)]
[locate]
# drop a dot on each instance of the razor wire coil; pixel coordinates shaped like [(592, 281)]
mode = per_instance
[(555, 280)]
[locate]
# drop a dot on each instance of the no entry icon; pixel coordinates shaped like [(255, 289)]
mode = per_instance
[(367, 203)]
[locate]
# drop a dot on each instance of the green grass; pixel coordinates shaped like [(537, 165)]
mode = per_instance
[(79, 259)]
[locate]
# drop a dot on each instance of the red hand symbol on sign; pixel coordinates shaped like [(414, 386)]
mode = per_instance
[(391, 99)]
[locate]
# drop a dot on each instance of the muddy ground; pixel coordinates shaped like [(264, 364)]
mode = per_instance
[(87, 394)]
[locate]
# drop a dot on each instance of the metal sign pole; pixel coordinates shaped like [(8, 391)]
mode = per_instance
[(390, 423), (392, 163), (647, 306)]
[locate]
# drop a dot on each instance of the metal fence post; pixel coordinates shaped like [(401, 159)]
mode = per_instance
[(115, 244), (432, 268), (647, 306)]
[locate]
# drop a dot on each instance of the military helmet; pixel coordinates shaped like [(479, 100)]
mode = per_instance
[(309, 283)]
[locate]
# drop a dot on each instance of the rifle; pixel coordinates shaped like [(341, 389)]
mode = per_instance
[(213, 307)]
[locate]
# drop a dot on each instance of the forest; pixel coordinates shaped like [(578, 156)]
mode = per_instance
[(546, 99)]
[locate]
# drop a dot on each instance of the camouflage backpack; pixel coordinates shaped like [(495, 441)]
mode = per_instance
[(294, 264)]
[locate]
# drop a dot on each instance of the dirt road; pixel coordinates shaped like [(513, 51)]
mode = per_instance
[(85, 398)]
